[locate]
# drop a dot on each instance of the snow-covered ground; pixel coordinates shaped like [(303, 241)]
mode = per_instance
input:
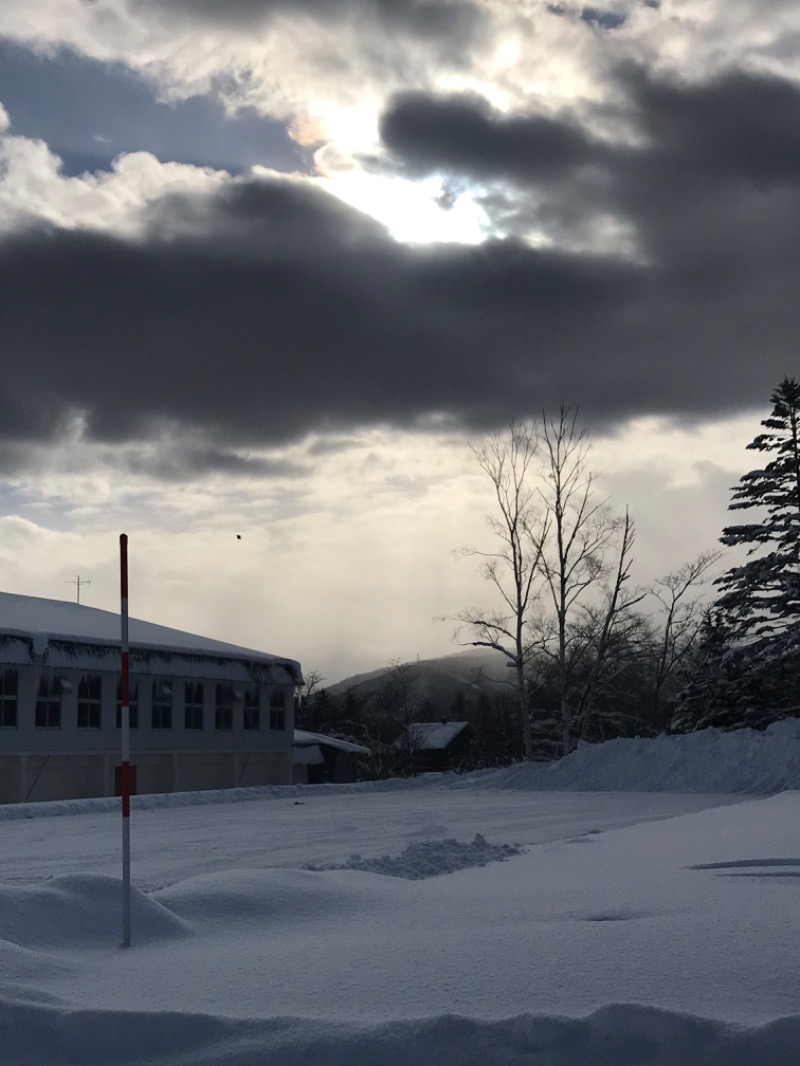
[(486, 920)]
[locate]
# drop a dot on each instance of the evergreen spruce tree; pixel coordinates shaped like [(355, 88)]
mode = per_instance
[(761, 597), (748, 671), (722, 688)]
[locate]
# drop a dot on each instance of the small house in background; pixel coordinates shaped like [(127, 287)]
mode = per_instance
[(203, 714), (319, 759), (435, 747)]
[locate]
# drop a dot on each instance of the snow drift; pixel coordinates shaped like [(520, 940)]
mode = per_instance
[(616, 1035)]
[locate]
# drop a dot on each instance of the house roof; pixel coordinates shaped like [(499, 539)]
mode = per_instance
[(304, 739), (434, 736), (56, 620)]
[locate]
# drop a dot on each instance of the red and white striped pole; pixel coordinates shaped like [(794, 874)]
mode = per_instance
[(125, 769)]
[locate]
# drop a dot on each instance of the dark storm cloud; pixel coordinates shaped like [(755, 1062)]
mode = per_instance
[(452, 21), (178, 461), (269, 310), (741, 125), (464, 133), (88, 112)]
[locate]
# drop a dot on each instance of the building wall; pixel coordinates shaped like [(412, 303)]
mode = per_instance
[(441, 760), (72, 761), (26, 737), (38, 778)]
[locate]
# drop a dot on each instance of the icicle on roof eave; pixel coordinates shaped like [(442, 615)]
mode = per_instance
[(145, 651)]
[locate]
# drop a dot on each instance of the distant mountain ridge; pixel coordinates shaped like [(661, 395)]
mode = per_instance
[(438, 681)]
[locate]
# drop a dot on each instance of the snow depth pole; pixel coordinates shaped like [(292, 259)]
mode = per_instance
[(125, 768)]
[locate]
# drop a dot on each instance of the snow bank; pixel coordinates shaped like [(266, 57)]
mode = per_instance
[(208, 797), (429, 858), (618, 1034), (709, 761), (157, 801)]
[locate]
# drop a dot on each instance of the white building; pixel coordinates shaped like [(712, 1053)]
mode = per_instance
[(204, 714)]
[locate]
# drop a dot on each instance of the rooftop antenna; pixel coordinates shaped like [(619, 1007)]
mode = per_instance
[(79, 582)]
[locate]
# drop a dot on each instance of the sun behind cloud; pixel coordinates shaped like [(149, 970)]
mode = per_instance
[(414, 212)]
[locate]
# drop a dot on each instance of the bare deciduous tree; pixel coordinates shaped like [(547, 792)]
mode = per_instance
[(513, 568), (562, 556), (312, 680), (681, 619), (582, 532), (613, 615)]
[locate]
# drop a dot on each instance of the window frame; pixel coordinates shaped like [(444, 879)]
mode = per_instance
[(251, 709), (49, 692), (277, 719), (194, 709), (9, 699), (223, 707), (162, 705), (277, 710), (89, 713)]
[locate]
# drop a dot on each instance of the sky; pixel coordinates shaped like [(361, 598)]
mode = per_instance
[(268, 267)]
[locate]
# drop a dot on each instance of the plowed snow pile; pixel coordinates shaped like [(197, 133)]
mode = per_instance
[(743, 761), (428, 858)]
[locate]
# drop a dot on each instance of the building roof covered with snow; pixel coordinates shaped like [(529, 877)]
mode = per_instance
[(304, 739), (69, 634), (435, 736)]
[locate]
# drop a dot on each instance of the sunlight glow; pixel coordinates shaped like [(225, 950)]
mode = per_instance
[(412, 211)]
